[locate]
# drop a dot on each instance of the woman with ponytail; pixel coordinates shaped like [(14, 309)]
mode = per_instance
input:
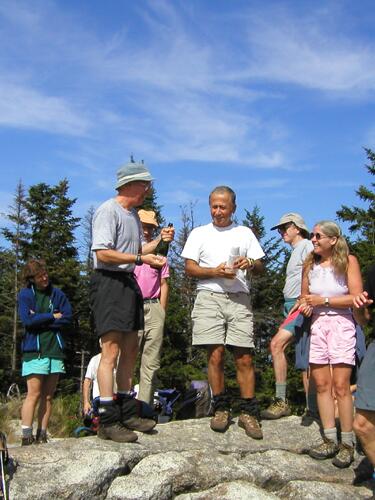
[(331, 279)]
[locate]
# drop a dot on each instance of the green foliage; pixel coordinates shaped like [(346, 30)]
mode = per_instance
[(65, 415), (362, 220)]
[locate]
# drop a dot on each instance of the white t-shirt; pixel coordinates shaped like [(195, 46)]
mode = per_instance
[(92, 372), (210, 246)]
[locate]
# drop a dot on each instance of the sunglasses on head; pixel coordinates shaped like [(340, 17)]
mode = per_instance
[(318, 236)]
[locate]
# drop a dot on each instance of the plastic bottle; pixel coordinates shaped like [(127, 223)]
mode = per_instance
[(234, 254)]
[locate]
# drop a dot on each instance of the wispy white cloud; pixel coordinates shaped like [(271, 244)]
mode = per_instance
[(24, 107), (176, 93), (310, 51)]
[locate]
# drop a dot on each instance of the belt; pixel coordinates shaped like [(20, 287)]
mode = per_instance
[(151, 300)]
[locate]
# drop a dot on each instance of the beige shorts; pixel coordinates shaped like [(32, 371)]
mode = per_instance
[(223, 318)]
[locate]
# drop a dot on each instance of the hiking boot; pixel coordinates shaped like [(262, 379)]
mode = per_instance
[(344, 457), (116, 432), (41, 438), (251, 425), (220, 421), (327, 449), (26, 441), (139, 424), (309, 417), (277, 409)]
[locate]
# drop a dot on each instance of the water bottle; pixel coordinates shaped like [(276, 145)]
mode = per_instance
[(233, 256)]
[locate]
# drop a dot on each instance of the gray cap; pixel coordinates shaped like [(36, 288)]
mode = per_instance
[(292, 217), (132, 171)]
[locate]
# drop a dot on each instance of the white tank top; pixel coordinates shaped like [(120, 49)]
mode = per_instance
[(324, 282)]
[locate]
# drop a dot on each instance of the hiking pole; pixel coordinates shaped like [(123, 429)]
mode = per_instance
[(3, 458)]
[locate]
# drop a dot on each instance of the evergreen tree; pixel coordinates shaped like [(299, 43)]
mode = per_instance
[(16, 236), (51, 238), (88, 339), (362, 220), (7, 305), (181, 362)]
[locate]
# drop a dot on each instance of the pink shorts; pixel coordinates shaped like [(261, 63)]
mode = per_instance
[(333, 340)]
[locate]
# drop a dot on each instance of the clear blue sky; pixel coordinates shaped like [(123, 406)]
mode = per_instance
[(275, 99)]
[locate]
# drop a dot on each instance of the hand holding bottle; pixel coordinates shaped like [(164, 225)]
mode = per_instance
[(166, 236)]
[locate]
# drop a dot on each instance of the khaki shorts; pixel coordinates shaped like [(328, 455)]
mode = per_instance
[(223, 318)]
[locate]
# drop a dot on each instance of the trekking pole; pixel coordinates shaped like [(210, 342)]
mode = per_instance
[(3, 459)]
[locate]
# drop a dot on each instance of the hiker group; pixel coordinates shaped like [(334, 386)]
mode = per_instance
[(325, 304)]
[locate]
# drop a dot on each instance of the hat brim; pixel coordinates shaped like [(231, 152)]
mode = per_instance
[(134, 178)]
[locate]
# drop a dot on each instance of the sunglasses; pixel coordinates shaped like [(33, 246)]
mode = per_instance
[(145, 184), (282, 229), (318, 236)]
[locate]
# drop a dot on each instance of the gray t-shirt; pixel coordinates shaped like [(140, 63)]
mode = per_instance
[(292, 288), (116, 228)]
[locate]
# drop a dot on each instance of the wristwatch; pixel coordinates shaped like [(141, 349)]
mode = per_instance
[(138, 260), (251, 262), (326, 301)]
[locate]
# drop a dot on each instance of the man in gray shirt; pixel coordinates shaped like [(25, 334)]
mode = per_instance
[(116, 299), (294, 232)]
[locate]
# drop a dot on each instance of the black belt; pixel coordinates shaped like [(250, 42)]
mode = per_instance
[(150, 300)]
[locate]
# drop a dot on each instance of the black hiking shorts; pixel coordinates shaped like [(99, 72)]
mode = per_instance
[(116, 302)]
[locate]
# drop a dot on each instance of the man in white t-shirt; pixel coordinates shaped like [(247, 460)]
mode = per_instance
[(221, 255), (90, 387)]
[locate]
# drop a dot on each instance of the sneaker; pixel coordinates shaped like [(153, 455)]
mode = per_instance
[(220, 421), (277, 409), (344, 457), (327, 449), (26, 441), (309, 417), (251, 425), (139, 424), (116, 432)]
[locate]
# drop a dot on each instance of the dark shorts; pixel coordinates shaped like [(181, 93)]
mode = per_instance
[(365, 393), (116, 302)]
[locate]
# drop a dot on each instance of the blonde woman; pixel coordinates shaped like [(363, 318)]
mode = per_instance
[(331, 279)]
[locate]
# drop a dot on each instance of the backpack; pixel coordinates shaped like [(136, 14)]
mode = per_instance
[(196, 402)]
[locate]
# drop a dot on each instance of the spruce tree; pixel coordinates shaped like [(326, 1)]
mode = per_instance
[(362, 220), (16, 235), (52, 238)]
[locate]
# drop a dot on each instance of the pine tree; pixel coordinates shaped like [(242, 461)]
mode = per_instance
[(362, 220), (16, 235), (52, 238), (181, 362)]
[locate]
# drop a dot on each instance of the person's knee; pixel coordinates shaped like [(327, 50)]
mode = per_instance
[(33, 395), (362, 426), (342, 389), (278, 343), (216, 358), (322, 385), (244, 363), (109, 357)]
